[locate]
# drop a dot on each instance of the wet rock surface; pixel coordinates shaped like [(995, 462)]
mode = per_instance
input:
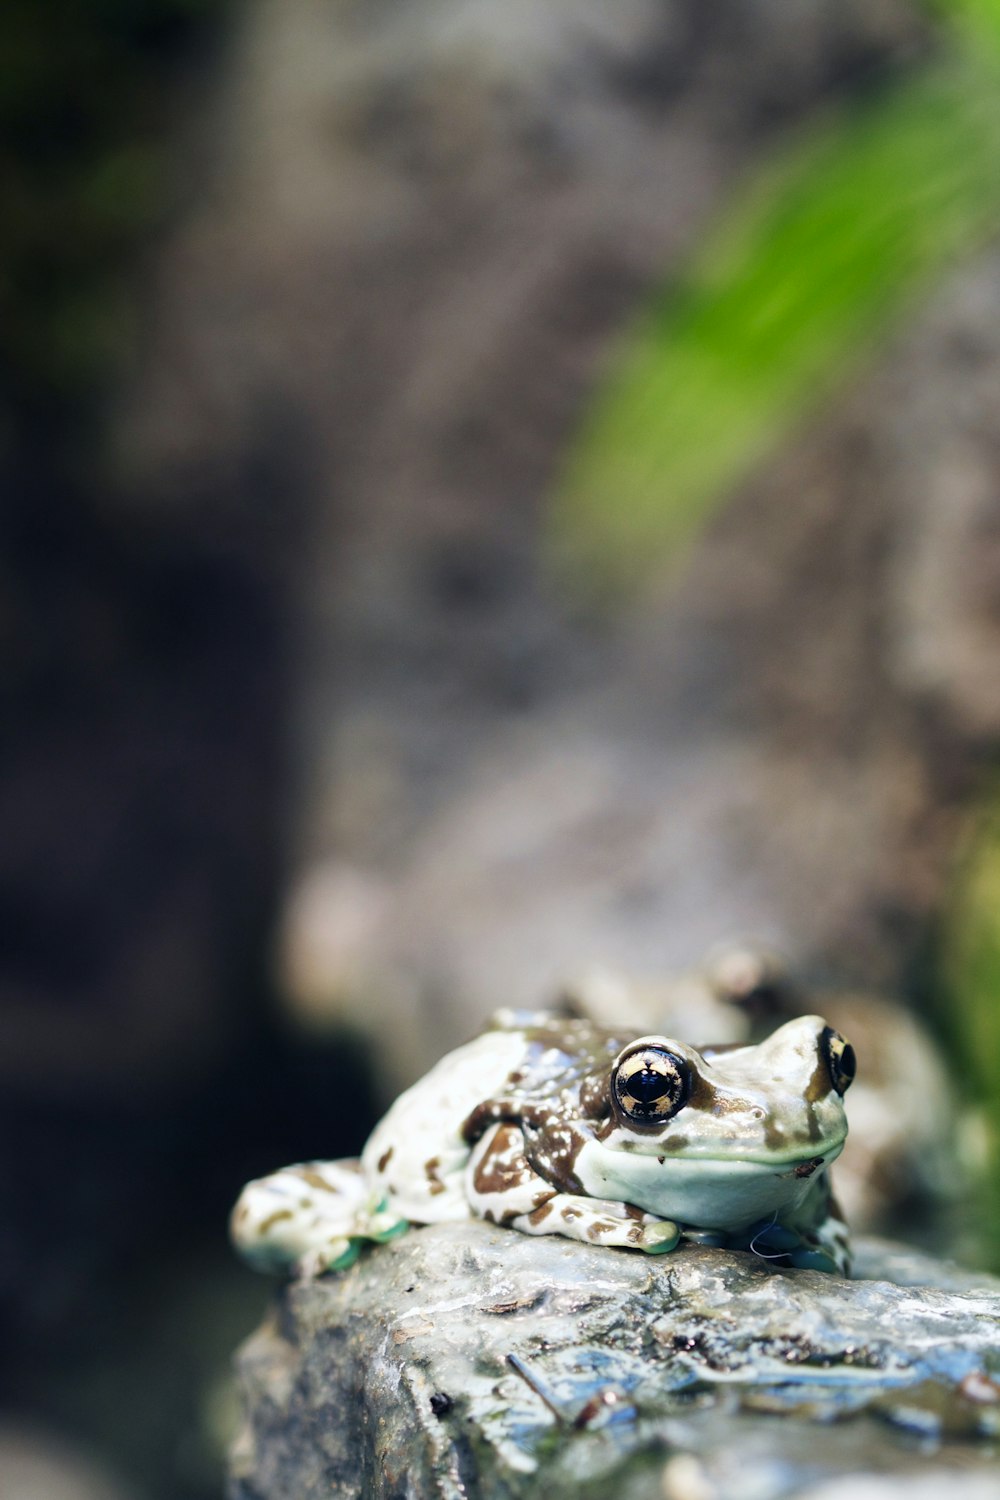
[(465, 1360)]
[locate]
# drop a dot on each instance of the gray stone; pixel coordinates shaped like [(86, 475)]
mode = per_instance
[(469, 1361)]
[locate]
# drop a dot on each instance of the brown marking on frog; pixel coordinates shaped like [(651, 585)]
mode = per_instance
[(385, 1158), (315, 1179), (504, 1165), (486, 1113), (552, 1145), (504, 1217), (817, 1088), (541, 1213), (432, 1172), (595, 1042), (775, 1136), (595, 1096), (819, 1084), (272, 1219), (702, 1095), (711, 1100)]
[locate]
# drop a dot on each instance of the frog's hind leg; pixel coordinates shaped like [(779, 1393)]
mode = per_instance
[(503, 1187), (310, 1218), (815, 1240), (828, 1246)]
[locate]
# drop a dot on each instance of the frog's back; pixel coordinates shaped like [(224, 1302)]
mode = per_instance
[(417, 1152)]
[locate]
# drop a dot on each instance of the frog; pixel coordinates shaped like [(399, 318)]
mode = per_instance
[(553, 1124), (903, 1162)]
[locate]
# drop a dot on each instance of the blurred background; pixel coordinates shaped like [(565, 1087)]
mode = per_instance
[(489, 490)]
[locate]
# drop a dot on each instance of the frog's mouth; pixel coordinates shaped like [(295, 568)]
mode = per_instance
[(706, 1192)]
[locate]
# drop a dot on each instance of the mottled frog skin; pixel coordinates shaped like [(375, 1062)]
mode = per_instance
[(558, 1126)]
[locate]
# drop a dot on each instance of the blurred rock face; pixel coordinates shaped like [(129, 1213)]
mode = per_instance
[(780, 748), (420, 232), (36, 1465)]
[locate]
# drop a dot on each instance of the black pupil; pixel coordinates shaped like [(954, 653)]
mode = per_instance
[(651, 1085), (848, 1062), (647, 1085)]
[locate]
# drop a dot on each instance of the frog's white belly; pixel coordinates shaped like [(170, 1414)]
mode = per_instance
[(707, 1194), (417, 1152)]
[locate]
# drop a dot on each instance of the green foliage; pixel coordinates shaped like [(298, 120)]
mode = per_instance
[(822, 252), (970, 980), (971, 950)]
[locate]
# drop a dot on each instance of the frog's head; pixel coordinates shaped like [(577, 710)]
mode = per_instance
[(723, 1137)]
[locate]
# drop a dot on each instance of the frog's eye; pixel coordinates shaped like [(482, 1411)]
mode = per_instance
[(650, 1084), (840, 1059)]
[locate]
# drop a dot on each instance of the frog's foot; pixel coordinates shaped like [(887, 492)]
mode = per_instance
[(310, 1218), (503, 1187), (824, 1248), (828, 1246), (598, 1221)]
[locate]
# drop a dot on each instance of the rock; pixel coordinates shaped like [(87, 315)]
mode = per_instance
[(467, 1360)]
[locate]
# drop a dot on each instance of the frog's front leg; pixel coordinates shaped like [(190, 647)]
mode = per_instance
[(310, 1218), (503, 1187)]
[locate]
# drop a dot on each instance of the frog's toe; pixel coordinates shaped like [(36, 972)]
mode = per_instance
[(348, 1255), (658, 1238), (712, 1239), (809, 1259), (389, 1231), (343, 1251), (335, 1256), (311, 1218)]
